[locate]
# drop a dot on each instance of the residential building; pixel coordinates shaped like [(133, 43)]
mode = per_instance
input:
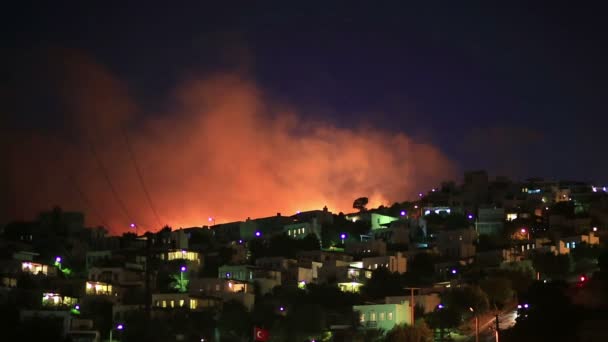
[(383, 316), (394, 263), (370, 248), (490, 221), (457, 243)]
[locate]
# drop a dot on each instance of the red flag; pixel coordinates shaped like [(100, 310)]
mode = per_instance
[(260, 334)]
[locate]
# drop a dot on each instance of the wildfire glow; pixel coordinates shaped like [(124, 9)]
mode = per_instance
[(220, 148)]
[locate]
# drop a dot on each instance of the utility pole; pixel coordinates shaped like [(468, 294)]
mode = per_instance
[(497, 327), (412, 302)]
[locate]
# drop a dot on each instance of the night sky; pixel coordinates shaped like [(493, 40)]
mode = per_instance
[(519, 91)]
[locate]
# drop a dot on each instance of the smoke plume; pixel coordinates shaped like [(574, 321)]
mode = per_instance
[(221, 148)]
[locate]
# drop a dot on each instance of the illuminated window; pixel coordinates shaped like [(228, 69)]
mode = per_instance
[(181, 303), (362, 317), (368, 274), (389, 316), (382, 316), (164, 303), (172, 303), (193, 304), (372, 316)]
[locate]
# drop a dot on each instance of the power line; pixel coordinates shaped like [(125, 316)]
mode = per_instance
[(86, 201), (104, 171), (141, 179)]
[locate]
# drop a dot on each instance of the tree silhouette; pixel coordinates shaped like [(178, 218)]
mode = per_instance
[(360, 203)]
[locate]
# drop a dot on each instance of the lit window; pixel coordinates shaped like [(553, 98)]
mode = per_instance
[(567, 244), (172, 303), (382, 316), (372, 316), (375, 265), (390, 316), (573, 244), (181, 303), (164, 304), (362, 317), (192, 304)]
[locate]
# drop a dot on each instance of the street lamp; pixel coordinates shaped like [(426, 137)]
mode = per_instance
[(119, 327), (258, 233), (527, 232), (476, 324), (211, 219), (343, 237), (134, 226)]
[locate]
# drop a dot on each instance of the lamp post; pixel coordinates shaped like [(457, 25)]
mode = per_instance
[(527, 232), (212, 220), (118, 327), (476, 324), (134, 226), (181, 275), (343, 237)]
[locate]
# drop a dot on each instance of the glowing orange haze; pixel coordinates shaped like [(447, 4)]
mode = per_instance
[(223, 150)]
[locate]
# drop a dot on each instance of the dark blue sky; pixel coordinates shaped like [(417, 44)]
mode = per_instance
[(519, 91)]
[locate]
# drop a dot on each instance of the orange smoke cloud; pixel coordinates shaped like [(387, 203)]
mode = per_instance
[(224, 150)]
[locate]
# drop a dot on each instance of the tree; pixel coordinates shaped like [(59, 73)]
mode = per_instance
[(234, 321), (309, 243), (383, 283), (555, 266), (420, 332), (461, 299), (360, 203), (498, 289)]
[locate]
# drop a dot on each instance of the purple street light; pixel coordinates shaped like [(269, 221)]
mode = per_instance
[(440, 306), (402, 212), (58, 259), (258, 233), (183, 269), (119, 327), (470, 216), (132, 225), (454, 271), (281, 309), (343, 237)]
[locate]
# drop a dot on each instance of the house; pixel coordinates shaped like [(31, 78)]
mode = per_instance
[(394, 263), (300, 230), (349, 277), (427, 300), (371, 248), (383, 316), (589, 239), (457, 243), (376, 221), (225, 289), (118, 276), (55, 300), (264, 278), (490, 221), (182, 301)]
